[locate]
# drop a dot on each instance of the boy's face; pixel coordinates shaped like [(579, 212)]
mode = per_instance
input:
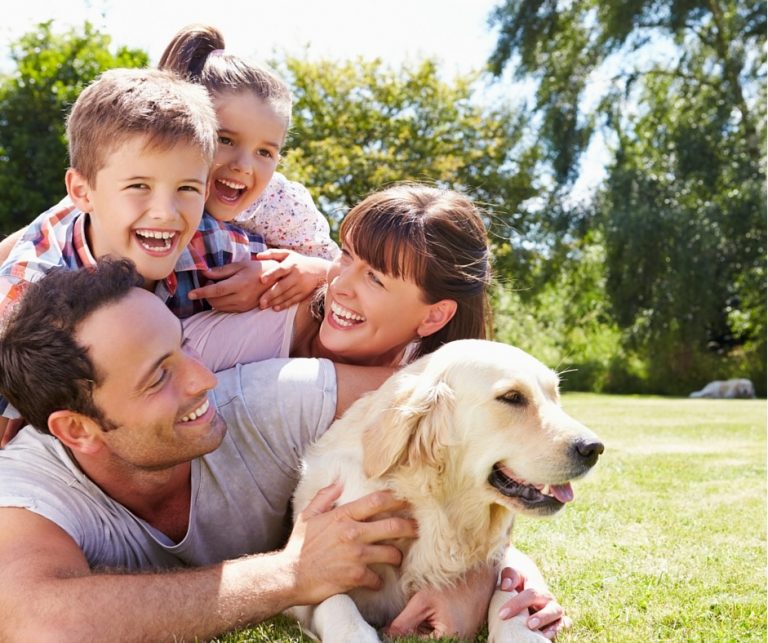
[(251, 134), (145, 205)]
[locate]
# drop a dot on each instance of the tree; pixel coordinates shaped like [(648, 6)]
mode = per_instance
[(358, 126), (51, 71), (682, 212)]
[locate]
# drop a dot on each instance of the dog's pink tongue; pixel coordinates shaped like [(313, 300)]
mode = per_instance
[(562, 492)]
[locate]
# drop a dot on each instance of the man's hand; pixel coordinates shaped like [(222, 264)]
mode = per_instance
[(456, 611), (547, 615), (297, 278), (330, 548), (8, 429), (238, 285)]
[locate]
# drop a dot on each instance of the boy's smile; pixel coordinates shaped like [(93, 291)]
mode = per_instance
[(145, 204)]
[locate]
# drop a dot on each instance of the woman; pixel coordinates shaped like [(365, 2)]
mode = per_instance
[(413, 275)]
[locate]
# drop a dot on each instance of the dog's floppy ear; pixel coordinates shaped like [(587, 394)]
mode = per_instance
[(411, 430)]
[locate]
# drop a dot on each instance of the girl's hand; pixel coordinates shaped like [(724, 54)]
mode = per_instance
[(238, 285), (293, 279)]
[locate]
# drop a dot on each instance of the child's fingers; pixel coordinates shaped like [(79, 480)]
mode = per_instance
[(291, 299), (273, 274), (222, 272), (212, 291), (285, 298), (276, 254)]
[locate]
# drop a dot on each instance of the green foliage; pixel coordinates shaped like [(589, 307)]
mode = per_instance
[(666, 539), (359, 126), (562, 316), (51, 70), (682, 213)]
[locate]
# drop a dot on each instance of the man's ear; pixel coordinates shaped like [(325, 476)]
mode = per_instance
[(79, 190), (439, 315), (76, 431)]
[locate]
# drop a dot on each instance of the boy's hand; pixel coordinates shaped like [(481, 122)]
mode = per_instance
[(238, 285), (297, 277)]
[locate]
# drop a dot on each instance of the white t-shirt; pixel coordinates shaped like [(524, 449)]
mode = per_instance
[(240, 492), (225, 339)]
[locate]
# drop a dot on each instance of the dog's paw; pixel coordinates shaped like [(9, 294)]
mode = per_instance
[(516, 635), (352, 633), (513, 630)]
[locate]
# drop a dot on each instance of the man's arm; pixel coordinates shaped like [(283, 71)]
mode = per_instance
[(48, 591)]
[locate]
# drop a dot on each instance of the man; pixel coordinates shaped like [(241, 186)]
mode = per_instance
[(140, 464), (141, 461)]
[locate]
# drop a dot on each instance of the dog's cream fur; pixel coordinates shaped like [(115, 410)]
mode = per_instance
[(432, 434)]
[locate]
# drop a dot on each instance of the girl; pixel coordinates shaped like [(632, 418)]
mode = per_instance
[(253, 107)]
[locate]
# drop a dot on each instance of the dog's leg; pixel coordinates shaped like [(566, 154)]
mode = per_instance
[(336, 620), (513, 630), (303, 614)]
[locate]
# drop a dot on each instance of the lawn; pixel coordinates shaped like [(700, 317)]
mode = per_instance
[(666, 540)]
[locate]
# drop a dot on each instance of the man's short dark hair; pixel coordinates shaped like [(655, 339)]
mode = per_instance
[(42, 367)]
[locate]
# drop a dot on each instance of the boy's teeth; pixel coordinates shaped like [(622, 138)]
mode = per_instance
[(155, 234), (197, 412)]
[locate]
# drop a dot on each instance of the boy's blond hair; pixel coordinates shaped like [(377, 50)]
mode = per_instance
[(123, 103)]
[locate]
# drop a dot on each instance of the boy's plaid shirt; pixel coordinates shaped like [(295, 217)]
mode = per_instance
[(57, 239)]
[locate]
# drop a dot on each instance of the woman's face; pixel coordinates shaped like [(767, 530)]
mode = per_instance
[(370, 317)]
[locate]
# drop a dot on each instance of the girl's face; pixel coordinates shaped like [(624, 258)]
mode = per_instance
[(370, 317), (251, 134)]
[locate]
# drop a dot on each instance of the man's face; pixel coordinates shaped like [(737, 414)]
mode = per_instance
[(146, 204), (153, 389)]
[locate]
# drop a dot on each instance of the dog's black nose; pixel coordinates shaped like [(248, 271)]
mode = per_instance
[(589, 451)]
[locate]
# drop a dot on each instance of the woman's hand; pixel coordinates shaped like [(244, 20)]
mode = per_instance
[(546, 614), (457, 611), (295, 277)]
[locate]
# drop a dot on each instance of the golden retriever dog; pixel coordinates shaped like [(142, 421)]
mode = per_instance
[(470, 436)]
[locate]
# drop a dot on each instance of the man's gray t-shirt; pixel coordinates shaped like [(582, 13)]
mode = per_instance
[(240, 492)]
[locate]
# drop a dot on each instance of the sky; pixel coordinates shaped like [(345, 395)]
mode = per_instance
[(455, 32)]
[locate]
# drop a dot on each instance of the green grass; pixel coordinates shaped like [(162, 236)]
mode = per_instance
[(666, 540)]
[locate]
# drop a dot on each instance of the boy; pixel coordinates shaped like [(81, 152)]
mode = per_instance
[(141, 146)]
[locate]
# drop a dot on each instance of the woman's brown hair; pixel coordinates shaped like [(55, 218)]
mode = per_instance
[(435, 238)]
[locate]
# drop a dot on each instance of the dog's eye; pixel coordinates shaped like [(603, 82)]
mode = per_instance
[(515, 398)]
